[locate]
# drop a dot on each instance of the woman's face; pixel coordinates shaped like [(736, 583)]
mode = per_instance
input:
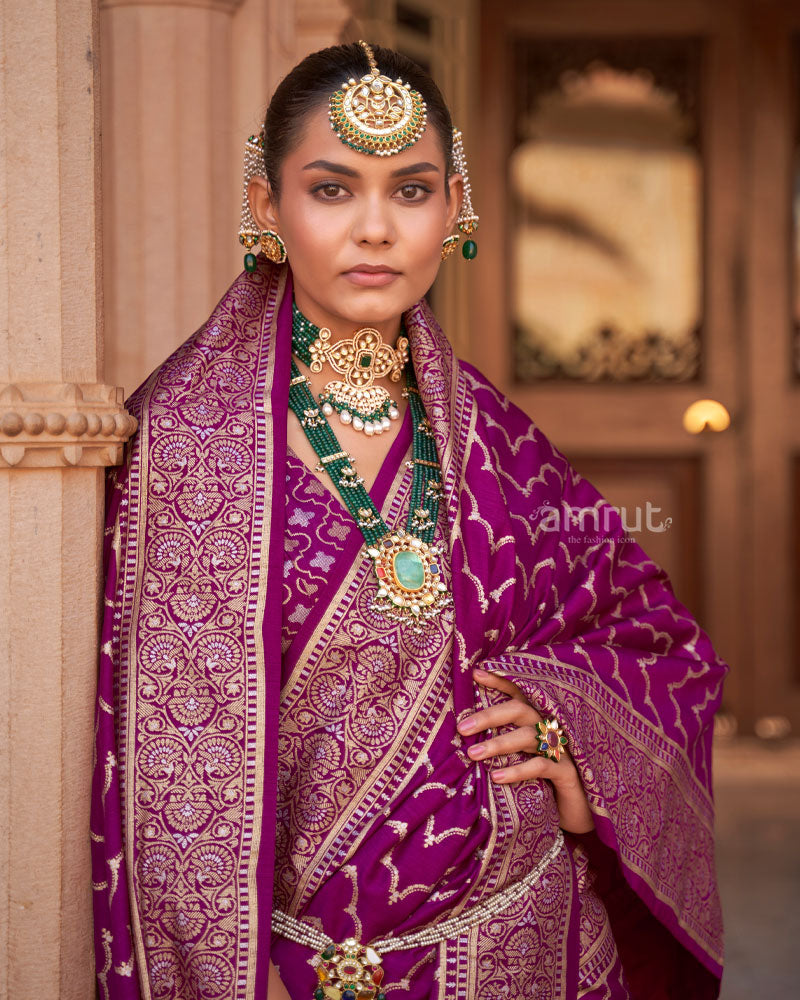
[(339, 209)]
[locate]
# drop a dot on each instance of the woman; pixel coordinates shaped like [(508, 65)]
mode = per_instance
[(377, 713)]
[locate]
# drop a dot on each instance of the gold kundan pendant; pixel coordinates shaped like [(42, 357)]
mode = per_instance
[(361, 358), (410, 584)]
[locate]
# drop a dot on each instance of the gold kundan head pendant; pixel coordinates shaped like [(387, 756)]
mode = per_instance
[(375, 114)]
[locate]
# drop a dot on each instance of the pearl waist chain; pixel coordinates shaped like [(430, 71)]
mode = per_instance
[(351, 969)]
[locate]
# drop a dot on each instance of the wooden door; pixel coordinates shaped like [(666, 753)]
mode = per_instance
[(631, 274)]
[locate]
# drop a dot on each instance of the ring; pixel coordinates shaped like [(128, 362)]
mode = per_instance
[(551, 739)]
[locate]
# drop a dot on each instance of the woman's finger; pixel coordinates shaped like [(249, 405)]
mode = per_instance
[(507, 713), (499, 683), (562, 773), (535, 768), (523, 739)]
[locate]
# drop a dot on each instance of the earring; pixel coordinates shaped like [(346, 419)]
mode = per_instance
[(249, 232), (467, 219), (449, 244), (273, 246)]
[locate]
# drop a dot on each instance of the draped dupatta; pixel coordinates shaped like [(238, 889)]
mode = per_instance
[(189, 680), (183, 813)]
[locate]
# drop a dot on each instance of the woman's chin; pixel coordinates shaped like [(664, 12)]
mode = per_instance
[(374, 305)]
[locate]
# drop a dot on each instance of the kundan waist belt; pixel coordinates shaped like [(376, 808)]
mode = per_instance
[(350, 970)]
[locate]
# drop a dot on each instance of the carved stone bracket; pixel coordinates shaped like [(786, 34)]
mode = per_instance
[(56, 424)]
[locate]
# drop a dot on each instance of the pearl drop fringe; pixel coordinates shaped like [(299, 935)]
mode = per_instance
[(304, 933)]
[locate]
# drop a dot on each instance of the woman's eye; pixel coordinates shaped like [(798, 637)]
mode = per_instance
[(409, 191), (328, 191)]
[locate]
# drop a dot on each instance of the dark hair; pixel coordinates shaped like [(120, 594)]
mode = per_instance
[(313, 80)]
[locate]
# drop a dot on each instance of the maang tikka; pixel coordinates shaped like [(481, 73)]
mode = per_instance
[(377, 115)]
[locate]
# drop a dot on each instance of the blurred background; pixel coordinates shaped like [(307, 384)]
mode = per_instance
[(635, 166)]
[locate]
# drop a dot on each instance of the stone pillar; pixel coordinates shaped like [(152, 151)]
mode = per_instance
[(58, 426), (169, 192)]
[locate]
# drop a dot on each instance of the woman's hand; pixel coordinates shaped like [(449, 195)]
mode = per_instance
[(517, 711)]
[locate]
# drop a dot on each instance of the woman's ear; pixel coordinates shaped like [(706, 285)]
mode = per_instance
[(456, 184), (262, 204)]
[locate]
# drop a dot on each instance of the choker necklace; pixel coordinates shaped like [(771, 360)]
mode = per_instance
[(406, 565), (361, 359)]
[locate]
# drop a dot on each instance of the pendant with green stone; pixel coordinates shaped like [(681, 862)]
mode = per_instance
[(409, 576)]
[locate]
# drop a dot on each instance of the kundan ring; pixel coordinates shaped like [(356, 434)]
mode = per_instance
[(551, 739)]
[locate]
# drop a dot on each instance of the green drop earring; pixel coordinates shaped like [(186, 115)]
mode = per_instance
[(249, 231), (467, 219)]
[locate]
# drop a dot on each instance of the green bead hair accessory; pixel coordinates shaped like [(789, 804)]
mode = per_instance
[(376, 114)]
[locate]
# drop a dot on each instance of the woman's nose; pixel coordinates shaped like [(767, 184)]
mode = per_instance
[(374, 223)]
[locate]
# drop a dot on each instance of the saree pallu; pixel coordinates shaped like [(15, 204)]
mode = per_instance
[(384, 823)]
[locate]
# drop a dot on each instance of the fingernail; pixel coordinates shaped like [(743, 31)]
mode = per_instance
[(466, 726), (481, 673), (476, 752), (498, 775)]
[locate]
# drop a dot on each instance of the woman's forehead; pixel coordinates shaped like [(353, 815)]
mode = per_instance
[(320, 143)]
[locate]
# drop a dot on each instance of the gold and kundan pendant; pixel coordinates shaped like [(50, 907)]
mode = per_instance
[(410, 584), (361, 358), (349, 971), (376, 114)]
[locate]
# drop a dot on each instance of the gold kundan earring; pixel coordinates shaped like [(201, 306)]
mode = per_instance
[(273, 246), (249, 232), (449, 245)]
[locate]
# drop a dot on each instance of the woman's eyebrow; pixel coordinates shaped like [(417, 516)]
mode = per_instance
[(415, 168), (334, 168), (339, 168)]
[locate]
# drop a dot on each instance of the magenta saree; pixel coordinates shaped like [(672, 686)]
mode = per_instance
[(264, 739)]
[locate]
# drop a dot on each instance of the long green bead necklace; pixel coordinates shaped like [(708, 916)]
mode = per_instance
[(406, 564)]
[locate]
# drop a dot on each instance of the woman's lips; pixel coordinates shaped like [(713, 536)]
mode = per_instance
[(371, 279)]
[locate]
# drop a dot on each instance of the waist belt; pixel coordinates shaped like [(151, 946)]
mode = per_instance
[(350, 970)]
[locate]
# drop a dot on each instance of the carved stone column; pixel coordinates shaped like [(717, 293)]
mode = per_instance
[(184, 83), (58, 426), (169, 192)]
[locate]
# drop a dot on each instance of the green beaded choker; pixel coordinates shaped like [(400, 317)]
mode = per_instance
[(405, 563)]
